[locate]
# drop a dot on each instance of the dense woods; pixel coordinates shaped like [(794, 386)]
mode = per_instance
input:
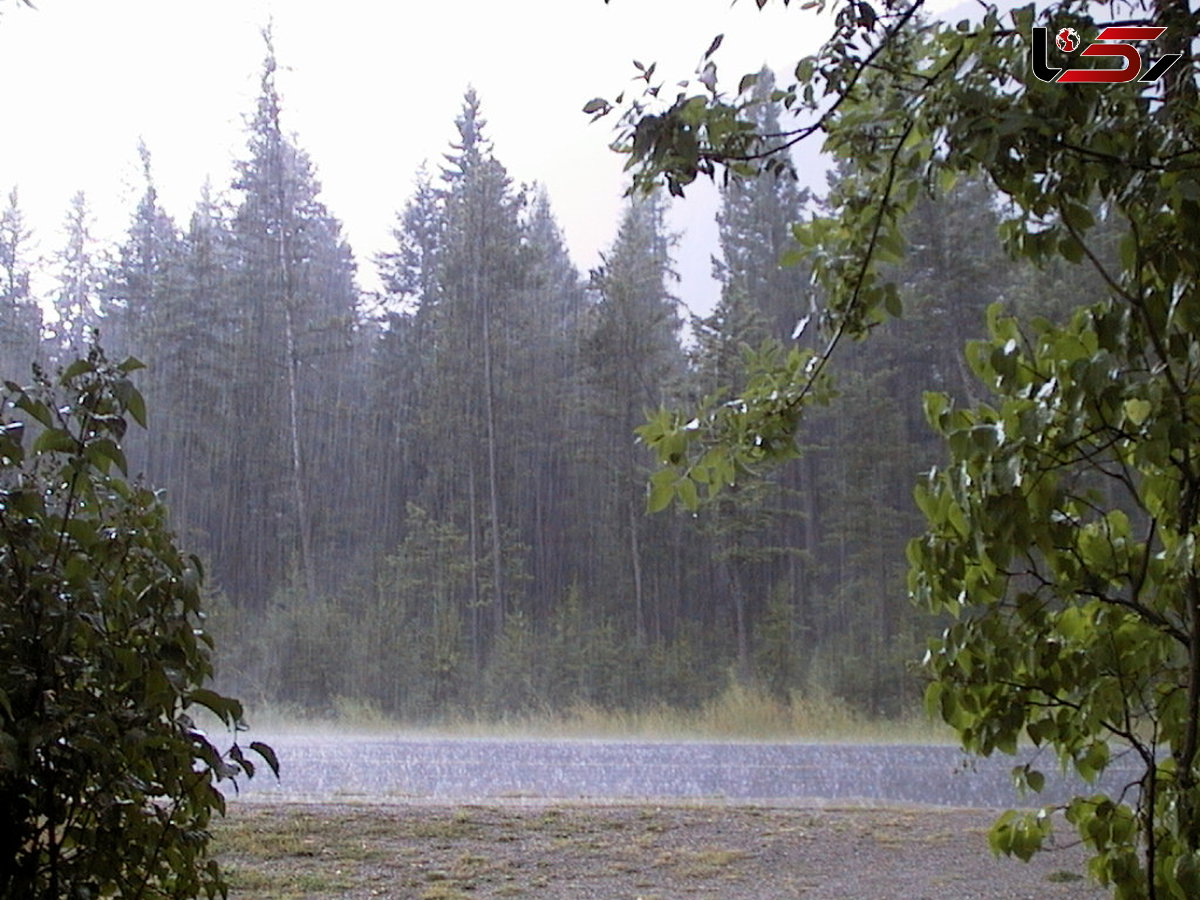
[(432, 501)]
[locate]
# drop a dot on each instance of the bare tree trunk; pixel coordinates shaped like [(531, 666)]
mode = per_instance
[(738, 595), (493, 489), (473, 524), (635, 553), (300, 494), (808, 485)]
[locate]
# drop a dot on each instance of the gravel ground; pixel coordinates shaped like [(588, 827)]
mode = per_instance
[(538, 849)]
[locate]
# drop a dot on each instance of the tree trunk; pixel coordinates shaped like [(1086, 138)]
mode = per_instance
[(300, 494), (473, 524), (732, 579), (493, 488), (635, 553)]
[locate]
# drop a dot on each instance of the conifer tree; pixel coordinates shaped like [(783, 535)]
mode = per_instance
[(634, 364), (76, 299), (546, 409), (294, 313), (483, 271), (141, 310), (20, 316)]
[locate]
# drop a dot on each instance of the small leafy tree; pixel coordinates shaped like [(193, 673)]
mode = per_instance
[(107, 785), (1061, 542)]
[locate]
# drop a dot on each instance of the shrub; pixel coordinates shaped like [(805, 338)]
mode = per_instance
[(107, 784)]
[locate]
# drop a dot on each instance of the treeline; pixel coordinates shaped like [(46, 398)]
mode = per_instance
[(432, 501)]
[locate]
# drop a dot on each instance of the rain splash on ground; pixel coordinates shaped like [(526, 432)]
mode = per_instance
[(325, 768)]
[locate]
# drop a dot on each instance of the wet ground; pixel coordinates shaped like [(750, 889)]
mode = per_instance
[(390, 769), (671, 851)]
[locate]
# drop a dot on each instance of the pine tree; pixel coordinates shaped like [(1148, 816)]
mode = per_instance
[(76, 300), (482, 273), (546, 405), (763, 534), (20, 316), (294, 318), (742, 531), (403, 361), (140, 307), (476, 366), (634, 364), (197, 390), (754, 227)]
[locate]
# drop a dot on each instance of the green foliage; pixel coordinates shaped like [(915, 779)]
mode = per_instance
[(107, 783), (1060, 545), (775, 662), (1060, 550)]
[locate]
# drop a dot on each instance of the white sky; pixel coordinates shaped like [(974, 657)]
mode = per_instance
[(370, 89)]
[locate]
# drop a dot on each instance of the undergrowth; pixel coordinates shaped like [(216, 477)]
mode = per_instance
[(739, 713)]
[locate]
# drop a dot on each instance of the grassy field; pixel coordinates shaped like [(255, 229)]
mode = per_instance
[(737, 714), (560, 851)]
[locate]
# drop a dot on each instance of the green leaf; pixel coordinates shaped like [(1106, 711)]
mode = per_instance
[(1070, 249), (225, 709), (1023, 18), (686, 490), (268, 754), (36, 408), (55, 440), (77, 368), (1078, 216), (661, 490), (933, 699), (891, 302), (130, 364), (104, 450), (935, 404), (1137, 410), (132, 399)]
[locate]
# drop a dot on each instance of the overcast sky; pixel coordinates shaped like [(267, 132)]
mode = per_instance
[(370, 90)]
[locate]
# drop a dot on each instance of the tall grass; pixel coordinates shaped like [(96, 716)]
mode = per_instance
[(740, 712)]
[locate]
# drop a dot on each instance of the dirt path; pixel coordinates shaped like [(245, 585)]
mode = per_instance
[(635, 850)]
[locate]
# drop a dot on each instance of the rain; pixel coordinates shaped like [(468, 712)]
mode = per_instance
[(449, 418), (478, 770)]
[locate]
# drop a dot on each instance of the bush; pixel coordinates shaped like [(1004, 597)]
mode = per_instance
[(106, 783)]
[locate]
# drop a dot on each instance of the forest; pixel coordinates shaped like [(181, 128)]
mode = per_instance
[(431, 502), (934, 446)]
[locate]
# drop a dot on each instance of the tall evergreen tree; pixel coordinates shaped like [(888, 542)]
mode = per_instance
[(548, 411), (20, 316), (77, 298), (294, 314), (401, 382), (483, 271), (738, 524), (140, 306), (754, 230), (477, 363), (635, 363), (198, 393), (764, 534)]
